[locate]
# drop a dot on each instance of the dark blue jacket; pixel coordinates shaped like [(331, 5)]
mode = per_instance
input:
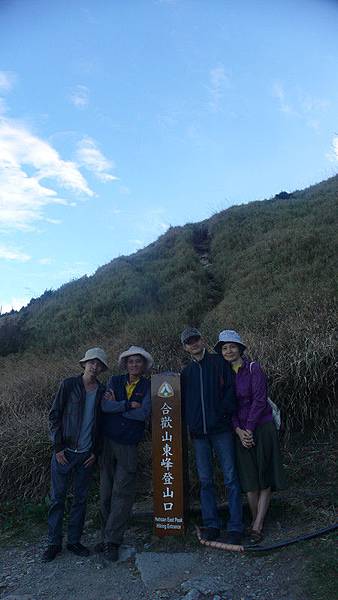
[(208, 395), (119, 421)]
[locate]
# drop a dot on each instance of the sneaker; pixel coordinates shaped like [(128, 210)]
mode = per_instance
[(210, 534), (51, 552), (78, 549), (111, 552), (234, 538)]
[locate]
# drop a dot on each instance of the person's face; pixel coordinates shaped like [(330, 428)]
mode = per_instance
[(194, 345), (136, 365), (93, 368), (231, 351)]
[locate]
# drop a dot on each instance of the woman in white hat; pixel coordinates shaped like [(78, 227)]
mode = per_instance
[(259, 461), (126, 407)]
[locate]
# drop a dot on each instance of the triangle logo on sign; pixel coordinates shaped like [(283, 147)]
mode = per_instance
[(165, 390)]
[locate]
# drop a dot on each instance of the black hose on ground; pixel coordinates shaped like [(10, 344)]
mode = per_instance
[(270, 547), (300, 538)]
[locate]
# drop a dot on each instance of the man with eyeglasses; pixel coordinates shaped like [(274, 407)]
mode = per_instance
[(209, 400)]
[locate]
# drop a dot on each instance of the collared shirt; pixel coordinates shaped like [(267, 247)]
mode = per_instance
[(130, 386)]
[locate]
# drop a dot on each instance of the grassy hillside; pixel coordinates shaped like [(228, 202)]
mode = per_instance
[(266, 268)]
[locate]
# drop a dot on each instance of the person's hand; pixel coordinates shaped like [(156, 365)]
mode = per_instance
[(246, 437), (109, 395), (135, 404), (61, 458), (249, 438), (89, 461)]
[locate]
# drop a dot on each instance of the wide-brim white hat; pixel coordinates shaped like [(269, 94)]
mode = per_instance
[(97, 353), (131, 352), (226, 336)]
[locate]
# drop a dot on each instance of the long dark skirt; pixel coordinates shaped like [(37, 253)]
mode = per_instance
[(261, 467)]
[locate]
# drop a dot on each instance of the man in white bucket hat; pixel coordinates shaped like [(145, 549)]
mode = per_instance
[(73, 426), (126, 407)]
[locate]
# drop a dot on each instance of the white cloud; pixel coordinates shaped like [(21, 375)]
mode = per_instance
[(153, 222), (123, 189), (312, 104), (303, 106), (14, 304), (27, 160), (278, 92), (7, 80), (45, 261), (90, 157), (332, 156), (79, 96), (137, 243), (335, 146), (7, 253), (219, 81)]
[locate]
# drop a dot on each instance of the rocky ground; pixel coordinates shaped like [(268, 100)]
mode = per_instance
[(151, 569), (181, 568)]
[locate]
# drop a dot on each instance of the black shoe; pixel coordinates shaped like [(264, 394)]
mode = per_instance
[(234, 538), (111, 552), (210, 534), (51, 551), (78, 549)]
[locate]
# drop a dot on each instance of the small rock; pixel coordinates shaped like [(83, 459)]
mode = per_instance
[(192, 595), (147, 546), (126, 552), (205, 585)]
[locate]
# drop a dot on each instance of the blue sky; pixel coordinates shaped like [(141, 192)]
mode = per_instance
[(121, 118)]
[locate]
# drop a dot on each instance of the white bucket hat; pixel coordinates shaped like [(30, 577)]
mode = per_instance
[(97, 353), (228, 335), (131, 352)]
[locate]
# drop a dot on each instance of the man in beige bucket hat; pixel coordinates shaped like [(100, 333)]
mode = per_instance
[(73, 427), (126, 407)]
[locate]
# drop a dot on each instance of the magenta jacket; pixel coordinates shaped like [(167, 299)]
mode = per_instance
[(251, 391)]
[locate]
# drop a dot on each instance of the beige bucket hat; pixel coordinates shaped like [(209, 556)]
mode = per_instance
[(97, 353), (132, 350)]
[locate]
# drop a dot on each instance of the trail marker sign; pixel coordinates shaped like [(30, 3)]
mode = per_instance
[(168, 448)]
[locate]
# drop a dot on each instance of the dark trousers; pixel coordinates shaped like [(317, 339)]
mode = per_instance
[(61, 476), (118, 464)]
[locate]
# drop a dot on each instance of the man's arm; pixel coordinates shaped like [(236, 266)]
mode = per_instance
[(142, 412), (55, 418), (109, 404), (259, 396)]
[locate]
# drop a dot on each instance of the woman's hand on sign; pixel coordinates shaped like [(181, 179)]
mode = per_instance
[(109, 395), (135, 404)]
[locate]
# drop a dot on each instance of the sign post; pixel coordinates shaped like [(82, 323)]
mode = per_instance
[(169, 474)]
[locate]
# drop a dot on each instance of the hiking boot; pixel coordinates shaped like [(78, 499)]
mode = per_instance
[(78, 549), (234, 538), (111, 552), (51, 551), (210, 534)]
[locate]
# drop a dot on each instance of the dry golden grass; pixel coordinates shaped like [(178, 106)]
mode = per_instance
[(298, 357)]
